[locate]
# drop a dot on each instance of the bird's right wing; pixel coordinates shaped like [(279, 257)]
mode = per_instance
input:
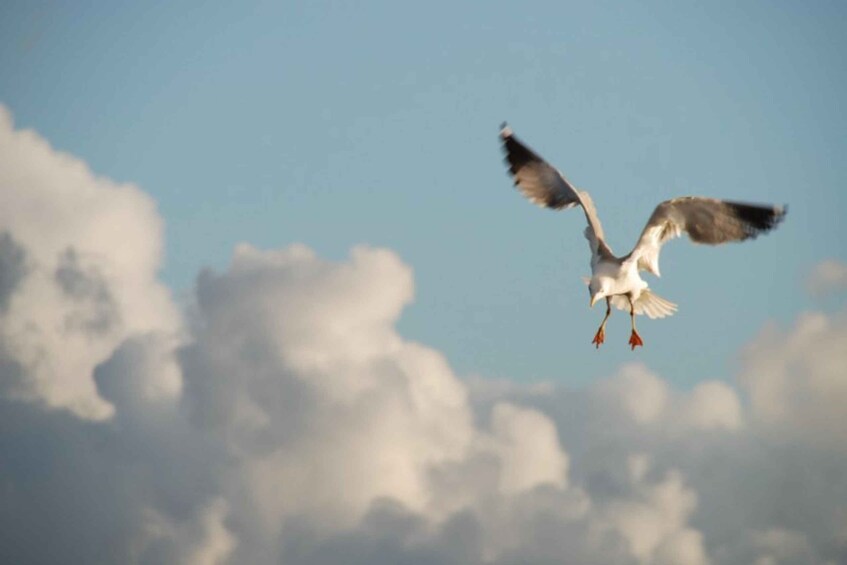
[(705, 220), (544, 185)]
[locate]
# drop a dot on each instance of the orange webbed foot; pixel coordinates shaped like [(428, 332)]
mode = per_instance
[(599, 337), (635, 340)]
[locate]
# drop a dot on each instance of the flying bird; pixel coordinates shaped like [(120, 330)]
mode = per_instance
[(618, 279)]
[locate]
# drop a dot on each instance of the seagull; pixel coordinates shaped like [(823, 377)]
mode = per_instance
[(617, 279)]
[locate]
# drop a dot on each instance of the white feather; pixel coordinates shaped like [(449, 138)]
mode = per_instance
[(649, 304)]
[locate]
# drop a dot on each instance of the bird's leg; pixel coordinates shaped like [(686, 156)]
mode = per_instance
[(600, 336), (634, 339)]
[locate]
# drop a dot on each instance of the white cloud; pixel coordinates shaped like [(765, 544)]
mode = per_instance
[(638, 393), (528, 447), (796, 379), (294, 424), (89, 250), (654, 519), (782, 546), (711, 405), (315, 350), (827, 277), (639, 397), (204, 541)]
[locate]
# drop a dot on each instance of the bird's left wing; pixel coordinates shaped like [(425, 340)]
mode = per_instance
[(544, 185), (705, 220)]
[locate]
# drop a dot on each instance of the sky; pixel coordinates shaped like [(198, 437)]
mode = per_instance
[(267, 294), (334, 124)]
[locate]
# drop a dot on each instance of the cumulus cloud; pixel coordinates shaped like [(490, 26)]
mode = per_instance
[(796, 379), (827, 277), (79, 255), (296, 361), (283, 419)]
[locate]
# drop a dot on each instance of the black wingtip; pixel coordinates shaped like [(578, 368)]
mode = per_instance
[(759, 219), (780, 212)]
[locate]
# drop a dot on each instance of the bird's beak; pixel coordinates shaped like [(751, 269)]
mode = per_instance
[(593, 301)]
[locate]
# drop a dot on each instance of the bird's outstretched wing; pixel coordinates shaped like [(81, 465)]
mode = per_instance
[(705, 220), (545, 186)]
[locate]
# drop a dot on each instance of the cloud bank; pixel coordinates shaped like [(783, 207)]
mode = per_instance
[(283, 419)]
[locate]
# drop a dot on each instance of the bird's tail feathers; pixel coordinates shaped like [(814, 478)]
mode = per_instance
[(648, 304)]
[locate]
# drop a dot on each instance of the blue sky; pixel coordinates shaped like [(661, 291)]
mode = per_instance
[(335, 124)]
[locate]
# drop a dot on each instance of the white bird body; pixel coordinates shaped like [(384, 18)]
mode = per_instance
[(618, 279)]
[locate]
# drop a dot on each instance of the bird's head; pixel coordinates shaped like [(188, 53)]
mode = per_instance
[(597, 290)]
